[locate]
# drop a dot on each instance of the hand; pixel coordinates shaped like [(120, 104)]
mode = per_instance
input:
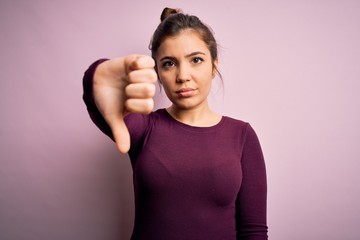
[(124, 85)]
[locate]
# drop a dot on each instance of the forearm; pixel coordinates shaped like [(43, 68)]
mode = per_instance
[(88, 97)]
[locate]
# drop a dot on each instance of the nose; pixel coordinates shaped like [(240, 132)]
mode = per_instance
[(183, 73)]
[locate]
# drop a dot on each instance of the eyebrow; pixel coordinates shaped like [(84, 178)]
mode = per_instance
[(187, 56)]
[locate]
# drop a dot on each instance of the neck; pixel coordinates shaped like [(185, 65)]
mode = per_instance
[(201, 117)]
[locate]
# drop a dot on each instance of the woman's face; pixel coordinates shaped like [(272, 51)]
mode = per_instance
[(185, 69)]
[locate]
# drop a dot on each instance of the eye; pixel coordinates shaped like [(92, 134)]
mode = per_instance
[(168, 64), (197, 60)]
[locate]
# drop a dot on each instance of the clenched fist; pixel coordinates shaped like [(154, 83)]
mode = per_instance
[(124, 85)]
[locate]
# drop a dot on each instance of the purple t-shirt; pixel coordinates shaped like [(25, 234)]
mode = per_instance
[(192, 182)]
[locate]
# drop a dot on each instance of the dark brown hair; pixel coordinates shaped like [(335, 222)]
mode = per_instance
[(173, 21)]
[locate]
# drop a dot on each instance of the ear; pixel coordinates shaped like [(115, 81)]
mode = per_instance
[(215, 65)]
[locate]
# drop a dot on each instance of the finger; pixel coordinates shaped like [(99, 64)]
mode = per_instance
[(135, 62), (140, 90), (121, 135), (143, 75), (144, 106)]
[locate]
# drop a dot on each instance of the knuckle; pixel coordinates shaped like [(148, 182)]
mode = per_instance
[(153, 76), (128, 106), (142, 75), (128, 90), (131, 105), (131, 76), (144, 106), (148, 105), (149, 90)]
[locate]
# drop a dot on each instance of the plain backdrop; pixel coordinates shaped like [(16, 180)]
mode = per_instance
[(290, 68)]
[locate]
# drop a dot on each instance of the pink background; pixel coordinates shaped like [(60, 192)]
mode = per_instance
[(291, 68)]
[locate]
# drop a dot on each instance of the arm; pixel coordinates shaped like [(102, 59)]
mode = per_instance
[(88, 97), (251, 200)]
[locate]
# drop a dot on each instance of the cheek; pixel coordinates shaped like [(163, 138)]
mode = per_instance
[(165, 77), (207, 77), (165, 83)]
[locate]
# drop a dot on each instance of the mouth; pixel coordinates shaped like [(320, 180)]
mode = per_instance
[(186, 92)]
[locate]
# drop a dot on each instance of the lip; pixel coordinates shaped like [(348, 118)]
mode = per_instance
[(186, 92)]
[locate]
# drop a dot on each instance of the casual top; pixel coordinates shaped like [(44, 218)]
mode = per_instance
[(192, 182)]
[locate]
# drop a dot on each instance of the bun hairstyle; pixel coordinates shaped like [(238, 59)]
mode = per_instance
[(174, 21), (167, 12)]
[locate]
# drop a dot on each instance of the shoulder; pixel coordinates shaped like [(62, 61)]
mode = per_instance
[(247, 126), (237, 125), (241, 128), (248, 138), (235, 122)]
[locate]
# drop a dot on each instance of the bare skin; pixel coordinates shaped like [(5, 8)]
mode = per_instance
[(186, 71), (124, 85), (127, 84)]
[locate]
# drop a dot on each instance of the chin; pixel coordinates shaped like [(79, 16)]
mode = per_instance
[(186, 103)]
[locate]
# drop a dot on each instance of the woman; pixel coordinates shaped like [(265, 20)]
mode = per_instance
[(197, 174)]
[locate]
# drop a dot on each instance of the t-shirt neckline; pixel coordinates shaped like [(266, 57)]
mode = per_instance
[(190, 127)]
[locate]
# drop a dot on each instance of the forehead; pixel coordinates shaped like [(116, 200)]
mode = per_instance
[(185, 42)]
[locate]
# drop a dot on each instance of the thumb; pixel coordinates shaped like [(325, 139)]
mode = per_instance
[(121, 135)]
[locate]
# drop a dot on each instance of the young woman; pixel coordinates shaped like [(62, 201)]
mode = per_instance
[(197, 174)]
